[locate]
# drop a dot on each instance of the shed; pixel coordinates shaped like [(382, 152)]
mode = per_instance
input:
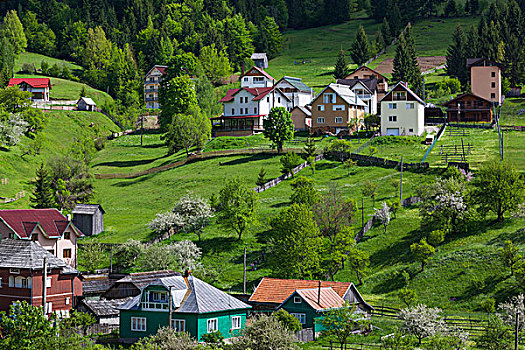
[(105, 311), (260, 60), (89, 218), (86, 104), (132, 284)]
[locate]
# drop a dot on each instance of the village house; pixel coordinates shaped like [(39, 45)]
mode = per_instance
[(469, 108), (86, 104), (89, 218), (335, 108), (152, 83), (131, 284), (260, 60), (195, 307), (298, 93), (22, 277), (47, 227), (485, 79), (305, 299), (104, 311), (365, 73), (244, 109), (39, 87), (402, 112), (366, 90), (302, 118)]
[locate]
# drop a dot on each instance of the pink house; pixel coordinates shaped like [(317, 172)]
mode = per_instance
[(47, 227)]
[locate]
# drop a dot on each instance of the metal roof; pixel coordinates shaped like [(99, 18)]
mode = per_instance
[(258, 56), (370, 84), (297, 83), (90, 209), (24, 221), (87, 101), (23, 254), (321, 299), (104, 307), (345, 93)]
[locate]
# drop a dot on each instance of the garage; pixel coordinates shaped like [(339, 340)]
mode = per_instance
[(392, 131)]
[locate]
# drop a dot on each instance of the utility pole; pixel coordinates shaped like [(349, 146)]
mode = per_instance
[(363, 212), (111, 260), (170, 307), (44, 287), (141, 128), (401, 183), (244, 273), (516, 330)]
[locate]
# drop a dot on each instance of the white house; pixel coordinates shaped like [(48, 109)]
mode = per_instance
[(151, 86), (297, 92), (256, 77), (39, 87), (260, 59), (402, 112), (366, 90)]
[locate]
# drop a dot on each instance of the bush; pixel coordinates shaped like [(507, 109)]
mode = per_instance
[(44, 67), (488, 305), (27, 68), (55, 71), (288, 321), (213, 338), (100, 143), (436, 237)]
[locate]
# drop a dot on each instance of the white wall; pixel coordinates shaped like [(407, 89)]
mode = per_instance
[(248, 81), (406, 118)]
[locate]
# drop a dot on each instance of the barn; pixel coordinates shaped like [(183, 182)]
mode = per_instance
[(86, 104), (89, 218)]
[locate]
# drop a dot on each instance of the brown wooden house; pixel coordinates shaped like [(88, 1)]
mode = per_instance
[(469, 108)]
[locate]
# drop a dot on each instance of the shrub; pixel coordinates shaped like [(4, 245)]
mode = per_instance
[(213, 338), (28, 68), (44, 66), (436, 237), (488, 305)]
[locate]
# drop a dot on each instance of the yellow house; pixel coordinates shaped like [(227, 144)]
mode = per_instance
[(335, 108), (402, 112), (485, 79)]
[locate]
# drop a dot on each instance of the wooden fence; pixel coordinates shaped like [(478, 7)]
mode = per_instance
[(512, 127), (370, 160)]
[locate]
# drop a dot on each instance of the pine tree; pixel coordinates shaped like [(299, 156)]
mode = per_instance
[(360, 51), (400, 70), (261, 180), (385, 30), (457, 57), (379, 43), (451, 9), (514, 61), (471, 50), (414, 78), (43, 196), (395, 21), (341, 67), (467, 7)]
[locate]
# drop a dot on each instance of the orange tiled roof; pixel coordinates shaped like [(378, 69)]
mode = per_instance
[(275, 290)]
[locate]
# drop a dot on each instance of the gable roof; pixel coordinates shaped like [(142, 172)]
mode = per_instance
[(463, 95), (142, 279), (34, 82), (370, 69), (296, 83), (320, 300), (276, 290), (475, 61), (87, 101), (259, 56), (192, 295), (407, 89), (369, 84), (161, 68), (96, 284), (261, 71), (345, 93), (258, 93), (89, 209), (21, 254), (24, 221), (307, 110), (104, 307)]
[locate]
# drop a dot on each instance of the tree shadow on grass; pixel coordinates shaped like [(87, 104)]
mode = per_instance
[(134, 181), (326, 166), (397, 252), (517, 237), (129, 163), (393, 282), (248, 159), (280, 205), (218, 245)]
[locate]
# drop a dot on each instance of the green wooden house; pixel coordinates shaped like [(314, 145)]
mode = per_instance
[(195, 306)]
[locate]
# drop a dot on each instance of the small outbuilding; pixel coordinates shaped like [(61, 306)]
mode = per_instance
[(86, 104), (89, 218), (260, 60), (302, 118)]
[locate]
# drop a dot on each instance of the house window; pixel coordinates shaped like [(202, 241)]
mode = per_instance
[(493, 74), (11, 281), (339, 107), (296, 300), (178, 325), (236, 322), (492, 95), (493, 85), (410, 130), (11, 235), (67, 253), (278, 100), (392, 118), (320, 120), (399, 95), (258, 80), (392, 106), (328, 98), (338, 120), (410, 105), (67, 235), (48, 282), (138, 324), (49, 308), (67, 300), (320, 108), (0, 282), (246, 79), (212, 325), (14, 271), (300, 317), (233, 111), (255, 110), (268, 99), (157, 296)]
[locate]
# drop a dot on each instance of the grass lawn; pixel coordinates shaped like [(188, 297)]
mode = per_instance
[(513, 112), (36, 60), (57, 137), (395, 147)]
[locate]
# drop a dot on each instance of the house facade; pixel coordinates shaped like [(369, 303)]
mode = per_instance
[(302, 118), (402, 112), (152, 83), (89, 218), (485, 79), (260, 60), (335, 108), (195, 307), (366, 90), (298, 93), (47, 227), (39, 87), (22, 278), (469, 108), (256, 77), (363, 73), (86, 104)]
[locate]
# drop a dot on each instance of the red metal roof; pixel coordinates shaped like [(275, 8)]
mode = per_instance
[(239, 116), (34, 82), (275, 290), (259, 93), (229, 95), (260, 70), (323, 299), (24, 221)]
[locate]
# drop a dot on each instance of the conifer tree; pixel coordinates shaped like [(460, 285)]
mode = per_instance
[(457, 57), (43, 196), (514, 60), (467, 7), (451, 9), (471, 50), (385, 30), (400, 70), (395, 20), (360, 51), (414, 78), (341, 67), (474, 7), (379, 43)]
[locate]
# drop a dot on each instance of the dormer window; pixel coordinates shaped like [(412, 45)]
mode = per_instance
[(34, 237), (328, 98), (67, 235), (296, 300)]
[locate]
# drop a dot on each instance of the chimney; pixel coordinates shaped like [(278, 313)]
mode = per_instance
[(187, 273), (319, 294), (68, 217)]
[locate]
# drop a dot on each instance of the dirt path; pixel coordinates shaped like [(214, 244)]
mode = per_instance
[(426, 63)]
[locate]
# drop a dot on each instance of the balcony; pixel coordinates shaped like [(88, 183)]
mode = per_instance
[(364, 96), (399, 98), (151, 90), (154, 306), (151, 99)]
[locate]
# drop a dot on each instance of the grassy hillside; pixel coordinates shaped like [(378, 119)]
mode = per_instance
[(318, 47), (57, 137), (36, 60)]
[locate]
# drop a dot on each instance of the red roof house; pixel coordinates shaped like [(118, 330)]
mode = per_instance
[(39, 87)]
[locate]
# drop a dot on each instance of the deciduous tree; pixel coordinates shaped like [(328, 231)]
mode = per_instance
[(278, 127), (422, 321), (343, 321), (238, 205), (303, 191), (358, 261), (265, 332), (422, 252)]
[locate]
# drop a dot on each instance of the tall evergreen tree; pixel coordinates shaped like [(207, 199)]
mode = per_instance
[(401, 61), (379, 43), (341, 70), (43, 196), (514, 61), (457, 56), (451, 10), (415, 78), (14, 32), (270, 38), (474, 7), (386, 31), (360, 51), (472, 49), (395, 20)]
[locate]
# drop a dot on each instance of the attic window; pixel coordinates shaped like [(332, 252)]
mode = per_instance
[(296, 300), (34, 237), (67, 235), (14, 270)]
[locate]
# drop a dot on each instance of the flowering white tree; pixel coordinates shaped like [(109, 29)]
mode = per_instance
[(11, 130), (422, 321), (383, 215), (187, 255), (512, 308), (164, 222)]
